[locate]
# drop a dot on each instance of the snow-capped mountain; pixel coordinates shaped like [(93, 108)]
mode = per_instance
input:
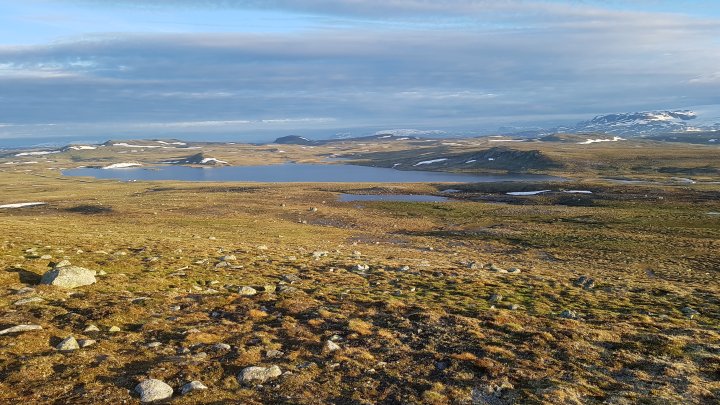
[(646, 123)]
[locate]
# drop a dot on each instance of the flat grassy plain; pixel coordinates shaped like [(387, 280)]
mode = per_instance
[(423, 323)]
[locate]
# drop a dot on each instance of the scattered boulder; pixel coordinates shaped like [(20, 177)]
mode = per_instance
[(64, 263), (496, 298), (68, 344), (360, 267), (259, 375), (69, 277), (192, 386), (220, 347), (153, 390), (319, 253), (274, 354), (568, 314), (30, 300), (91, 328), (20, 328), (495, 268), (83, 343), (585, 282), (689, 312), (247, 291), (114, 329), (331, 346)]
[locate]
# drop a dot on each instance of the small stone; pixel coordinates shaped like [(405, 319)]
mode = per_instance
[(496, 298), (274, 354), (262, 247), (101, 273), (222, 264), (153, 345), (220, 347), (86, 342), (20, 328), (360, 267), (404, 268), (25, 290), (259, 374), (473, 265), (91, 328), (45, 257), (291, 278), (68, 344), (247, 291), (331, 346), (568, 314), (153, 390), (689, 312), (192, 386), (63, 263), (114, 329), (313, 209), (228, 258), (514, 307), (513, 270), (28, 301), (496, 269), (319, 253)]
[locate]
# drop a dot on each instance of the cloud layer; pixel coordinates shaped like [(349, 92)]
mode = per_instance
[(553, 61)]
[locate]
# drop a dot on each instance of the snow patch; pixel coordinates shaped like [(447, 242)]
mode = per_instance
[(45, 152), (172, 143), (121, 165), (527, 192), (589, 141), (82, 147), (471, 161), (577, 191), (429, 162), (21, 205), (212, 160), (127, 145)]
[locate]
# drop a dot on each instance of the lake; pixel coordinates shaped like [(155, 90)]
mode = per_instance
[(297, 173)]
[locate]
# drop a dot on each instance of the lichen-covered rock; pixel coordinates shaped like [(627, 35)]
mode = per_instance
[(259, 374), (68, 277)]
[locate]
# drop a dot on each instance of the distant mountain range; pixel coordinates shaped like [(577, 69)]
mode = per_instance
[(643, 124)]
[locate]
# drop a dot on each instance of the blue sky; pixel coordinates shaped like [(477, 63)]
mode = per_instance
[(264, 68)]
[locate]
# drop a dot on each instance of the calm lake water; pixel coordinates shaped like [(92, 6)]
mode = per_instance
[(391, 197), (296, 173)]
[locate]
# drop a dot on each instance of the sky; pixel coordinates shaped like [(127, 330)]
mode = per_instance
[(256, 69)]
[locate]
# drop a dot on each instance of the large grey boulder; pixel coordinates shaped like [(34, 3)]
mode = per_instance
[(259, 374), (153, 390), (69, 277)]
